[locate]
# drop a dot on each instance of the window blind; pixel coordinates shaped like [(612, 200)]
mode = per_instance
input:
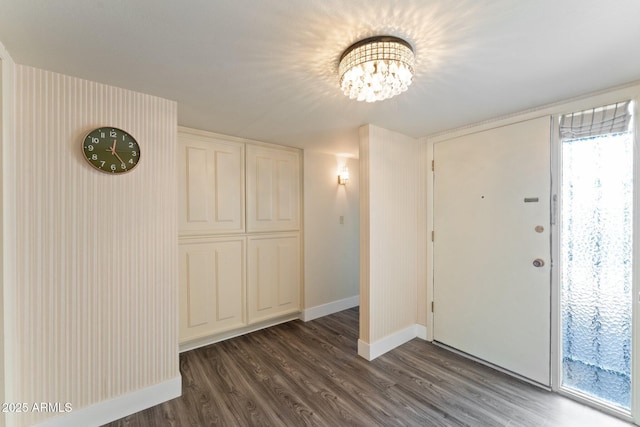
[(612, 118)]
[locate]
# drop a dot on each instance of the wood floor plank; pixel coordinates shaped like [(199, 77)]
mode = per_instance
[(309, 374)]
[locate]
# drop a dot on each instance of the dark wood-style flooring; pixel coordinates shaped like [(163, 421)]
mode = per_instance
[(309, 374)]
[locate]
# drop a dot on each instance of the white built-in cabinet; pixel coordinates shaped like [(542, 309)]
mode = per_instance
[(211, 185), (274, 188), (274, 276), (212, 295), (239, 233)]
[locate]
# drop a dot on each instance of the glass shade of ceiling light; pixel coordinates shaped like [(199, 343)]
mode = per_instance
[(376, 68)]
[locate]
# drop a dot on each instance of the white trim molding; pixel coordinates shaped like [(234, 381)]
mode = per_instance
[(329, 308), (388, 343), (119, 407), (236, 332), (422, 333)]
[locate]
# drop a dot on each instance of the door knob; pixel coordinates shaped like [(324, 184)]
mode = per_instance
[(538, 262)]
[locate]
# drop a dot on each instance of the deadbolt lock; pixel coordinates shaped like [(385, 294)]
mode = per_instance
[(538, 262)]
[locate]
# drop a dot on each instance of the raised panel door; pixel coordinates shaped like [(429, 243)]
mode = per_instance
[(273, 189), (273, 282), (211, 286), (210, 185)]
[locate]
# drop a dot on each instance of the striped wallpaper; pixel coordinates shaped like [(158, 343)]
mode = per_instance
[(365, 234), (96, 272), (389, 232)]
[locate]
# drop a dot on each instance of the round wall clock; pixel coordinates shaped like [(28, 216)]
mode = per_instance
[(111, 150)]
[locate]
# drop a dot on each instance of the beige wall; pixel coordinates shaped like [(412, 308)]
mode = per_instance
[(96, 255), (389, 172), (330, 248)]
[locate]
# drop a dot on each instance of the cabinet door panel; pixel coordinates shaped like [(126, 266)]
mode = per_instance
[(273, 276), (210, 185), (287, 202), (273, 189), (227, 190), (200, 284), (287, 257), (211, 287), (197, 182), (264, 194)]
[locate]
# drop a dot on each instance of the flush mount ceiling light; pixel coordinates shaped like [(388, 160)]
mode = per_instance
[(376, 68)]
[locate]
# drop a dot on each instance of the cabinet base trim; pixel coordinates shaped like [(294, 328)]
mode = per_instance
[(329, 308), (212, 339)]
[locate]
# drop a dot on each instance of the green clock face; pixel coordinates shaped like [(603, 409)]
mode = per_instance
[(111, 150)]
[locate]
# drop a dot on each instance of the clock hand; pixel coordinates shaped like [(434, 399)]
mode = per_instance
[(121, 161), (113, 151)]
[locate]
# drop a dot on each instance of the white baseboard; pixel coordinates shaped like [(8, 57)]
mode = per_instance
[(421, 332), (388, 343), (329, 308), (119, 407)]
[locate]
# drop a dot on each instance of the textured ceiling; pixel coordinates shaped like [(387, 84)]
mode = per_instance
[(266, 69)]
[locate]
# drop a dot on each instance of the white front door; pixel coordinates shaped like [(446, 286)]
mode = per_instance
[(492, 246)]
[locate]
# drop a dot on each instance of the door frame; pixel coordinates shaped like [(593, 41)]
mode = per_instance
[(609, 96)]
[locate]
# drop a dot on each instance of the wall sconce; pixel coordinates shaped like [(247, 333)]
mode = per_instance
[(343, 176)]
